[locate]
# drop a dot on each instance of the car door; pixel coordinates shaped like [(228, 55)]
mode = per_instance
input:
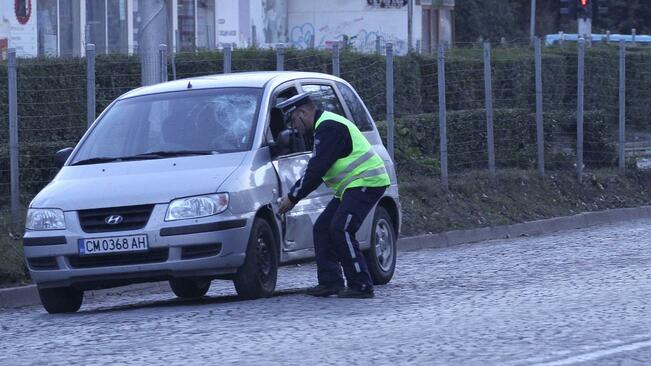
[(355, 111), (290, 166)]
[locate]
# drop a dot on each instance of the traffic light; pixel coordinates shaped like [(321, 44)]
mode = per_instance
[(583, 9)]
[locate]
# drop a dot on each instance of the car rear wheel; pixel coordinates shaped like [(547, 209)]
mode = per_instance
[(381, 256), (257, 277), (189, 288), (61, 299)]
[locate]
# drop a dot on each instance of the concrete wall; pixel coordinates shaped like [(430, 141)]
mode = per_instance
[(330, 20)]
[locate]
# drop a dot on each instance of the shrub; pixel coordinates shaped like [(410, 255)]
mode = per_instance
[(417, 140)]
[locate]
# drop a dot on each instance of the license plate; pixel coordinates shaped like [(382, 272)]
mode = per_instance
[(115, 244)]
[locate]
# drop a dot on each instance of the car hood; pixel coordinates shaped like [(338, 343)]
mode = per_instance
[(136, 182)]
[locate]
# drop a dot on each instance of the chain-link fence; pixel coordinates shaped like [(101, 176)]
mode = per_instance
[(575, 107)]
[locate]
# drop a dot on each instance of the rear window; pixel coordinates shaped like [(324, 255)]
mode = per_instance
[(357, 110)]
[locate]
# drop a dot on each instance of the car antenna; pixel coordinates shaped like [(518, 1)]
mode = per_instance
[(189, 85)]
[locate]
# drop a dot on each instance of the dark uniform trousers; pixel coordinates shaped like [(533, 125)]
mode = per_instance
[(334, 238)]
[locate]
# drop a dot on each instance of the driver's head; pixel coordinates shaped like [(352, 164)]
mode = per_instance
[(302, 110), (206, 128), (303, 117)]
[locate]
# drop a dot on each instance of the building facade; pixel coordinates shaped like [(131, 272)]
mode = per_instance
[(63, 27)]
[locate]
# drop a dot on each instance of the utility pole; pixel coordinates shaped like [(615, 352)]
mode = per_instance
[(532, 30), (410, 23), (153, 34), (584, 19)]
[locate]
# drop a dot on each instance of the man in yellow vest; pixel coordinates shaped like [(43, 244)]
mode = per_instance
[(345, 161)]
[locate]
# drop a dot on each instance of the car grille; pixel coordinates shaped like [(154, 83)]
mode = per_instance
[(200, 251), (119, 259), (133, 218), (43, 263)]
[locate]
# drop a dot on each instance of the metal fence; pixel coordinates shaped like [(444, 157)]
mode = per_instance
[(469, 108)]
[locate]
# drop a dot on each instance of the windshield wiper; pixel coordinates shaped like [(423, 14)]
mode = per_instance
[(170, 153), (97, 160), (147, 155)]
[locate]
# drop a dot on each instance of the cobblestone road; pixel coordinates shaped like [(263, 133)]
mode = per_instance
[(578, 297)]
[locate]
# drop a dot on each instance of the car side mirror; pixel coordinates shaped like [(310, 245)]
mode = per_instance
[(283, 142), (61, 156)]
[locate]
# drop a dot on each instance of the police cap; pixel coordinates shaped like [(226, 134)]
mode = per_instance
[(294, 102)]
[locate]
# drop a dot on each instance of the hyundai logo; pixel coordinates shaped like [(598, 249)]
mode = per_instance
[(113, 219)]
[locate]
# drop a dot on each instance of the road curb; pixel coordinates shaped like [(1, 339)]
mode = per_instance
[(28, 295), (530, 228)]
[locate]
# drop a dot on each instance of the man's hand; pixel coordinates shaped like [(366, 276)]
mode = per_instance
[(285, 206)]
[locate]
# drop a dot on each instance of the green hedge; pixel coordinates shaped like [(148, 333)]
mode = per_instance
[(52, 97), (417, 140)]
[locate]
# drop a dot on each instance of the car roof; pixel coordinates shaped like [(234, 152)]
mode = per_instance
[(257, 79)]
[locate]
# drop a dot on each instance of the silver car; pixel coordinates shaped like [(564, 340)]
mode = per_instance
[(181, 182)]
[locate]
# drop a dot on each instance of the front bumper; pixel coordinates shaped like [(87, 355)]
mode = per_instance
[(205, 247)]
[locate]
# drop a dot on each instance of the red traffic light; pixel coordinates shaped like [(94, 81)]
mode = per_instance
[(584, 3)]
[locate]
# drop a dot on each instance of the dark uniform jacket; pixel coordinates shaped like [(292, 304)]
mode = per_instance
[(332, 141)]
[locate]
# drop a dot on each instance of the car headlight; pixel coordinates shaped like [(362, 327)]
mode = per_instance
[(199, 206), (45, 219)]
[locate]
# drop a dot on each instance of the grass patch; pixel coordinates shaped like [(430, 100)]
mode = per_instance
[(475, 200), (12, 264)]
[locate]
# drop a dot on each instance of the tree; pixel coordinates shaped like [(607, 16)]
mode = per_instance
[(490, 19), (623, 15), (494, 19)]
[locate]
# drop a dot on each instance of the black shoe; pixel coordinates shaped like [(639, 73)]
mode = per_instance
[(324, 290), (364, 292)]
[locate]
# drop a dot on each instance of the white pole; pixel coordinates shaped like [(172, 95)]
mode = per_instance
[(58, 31), (106, 45), (410, 24), (532, 31)]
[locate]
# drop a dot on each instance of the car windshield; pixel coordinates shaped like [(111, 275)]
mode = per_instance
[(163, 125)]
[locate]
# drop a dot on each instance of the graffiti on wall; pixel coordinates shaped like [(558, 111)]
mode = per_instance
[(358, 36)]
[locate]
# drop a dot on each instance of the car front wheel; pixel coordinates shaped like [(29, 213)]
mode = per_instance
[(257, 277), (188, 288), (61, 299)]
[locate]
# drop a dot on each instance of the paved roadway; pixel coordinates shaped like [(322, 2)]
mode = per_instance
[(574, 298)]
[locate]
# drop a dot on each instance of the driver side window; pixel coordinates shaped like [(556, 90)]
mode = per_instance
[(277, 123)]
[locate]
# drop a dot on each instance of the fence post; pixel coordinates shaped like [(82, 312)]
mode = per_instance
[(162, 58), (280, 57), (254, 36), (227, 58), (622, 105), (389, 82), (177, 41), (378, 45), (312, 40), (13, 138), (579, 109), (633, 35), (335, 59), (488, 95), (540, 135), (173, 61), (443, 131), (90, 84)]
